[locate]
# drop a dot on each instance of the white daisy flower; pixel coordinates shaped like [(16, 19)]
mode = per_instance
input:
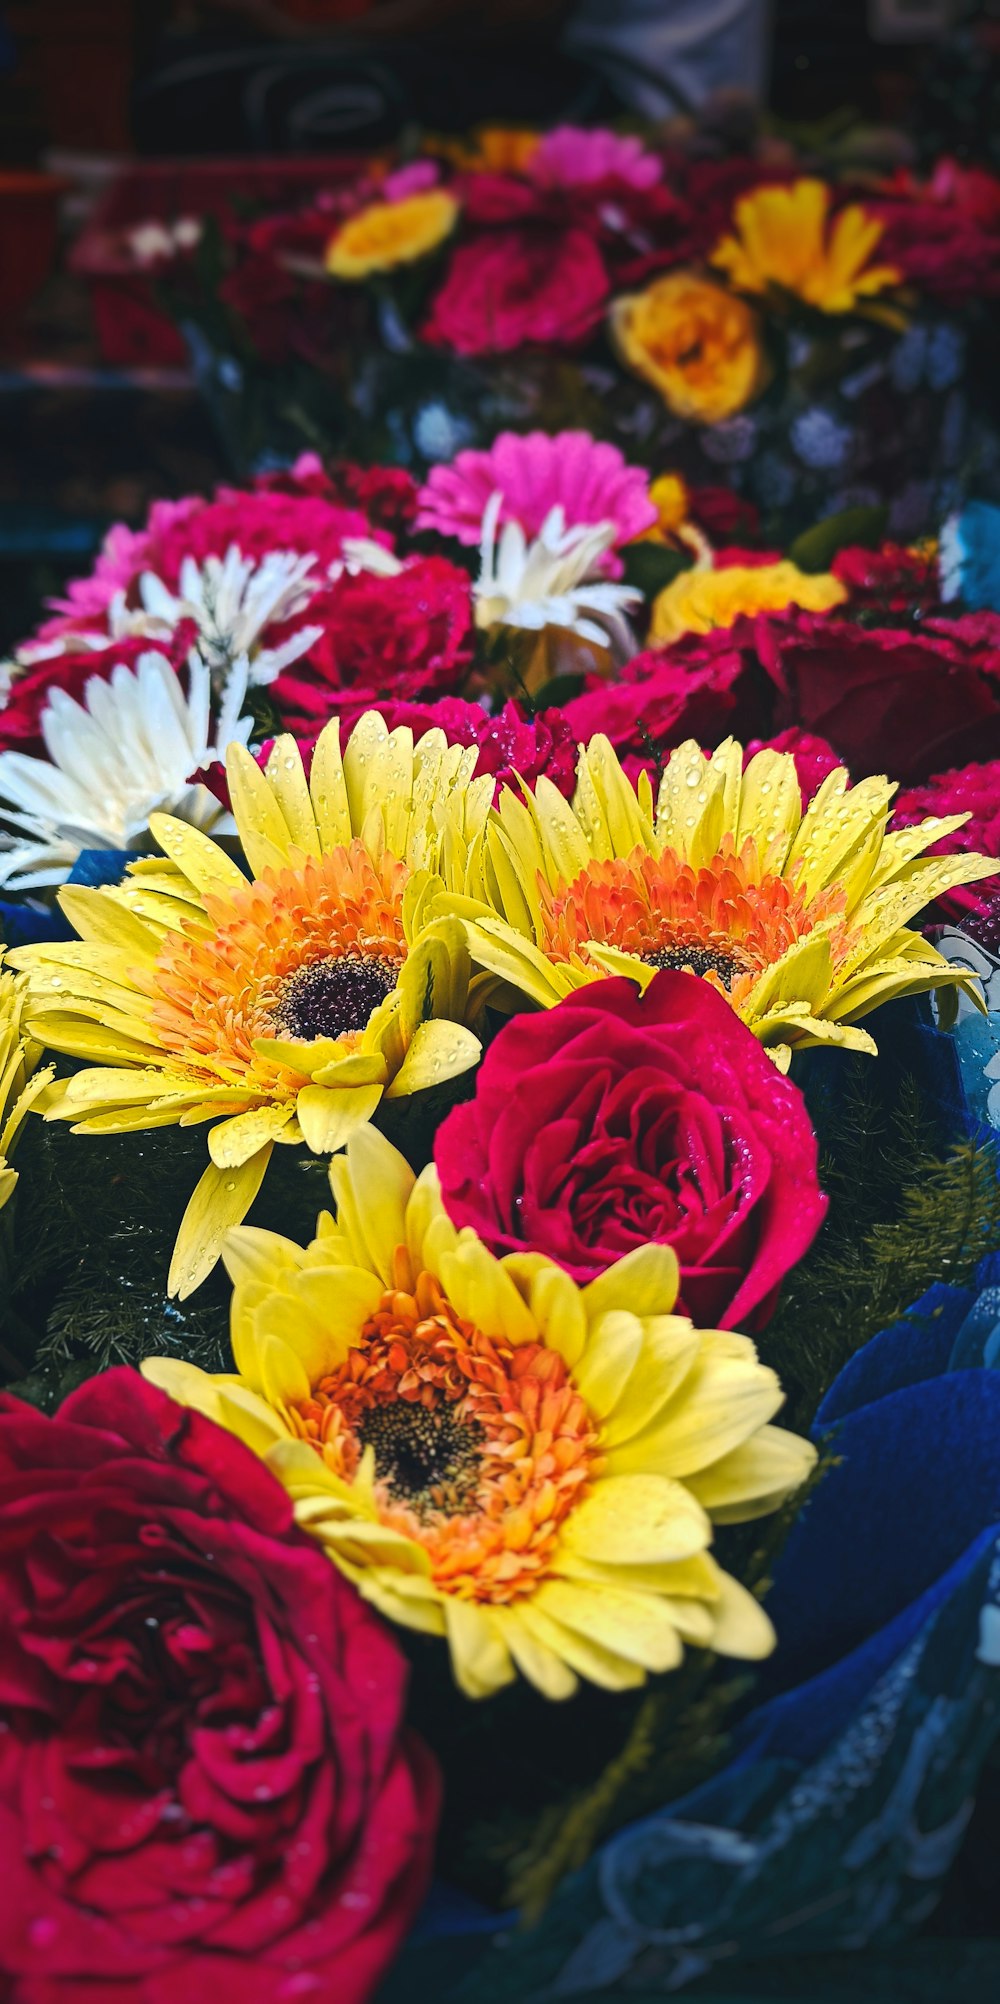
[(128, 750), (552, 581), (233, 600)]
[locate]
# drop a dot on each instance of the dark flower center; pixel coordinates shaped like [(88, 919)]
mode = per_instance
[(426, 1457), (327, 998), (696, 960)]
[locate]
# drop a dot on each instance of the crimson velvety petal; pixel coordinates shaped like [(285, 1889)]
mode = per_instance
[(206, 1783), (616, 1119)]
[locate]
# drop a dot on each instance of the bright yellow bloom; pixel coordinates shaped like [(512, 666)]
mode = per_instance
[(704, 597), (669, 496), (785, 237), (390, 233), (800, 919), (698, 344), (491, 1453), (284, 1008), (21, 1085)]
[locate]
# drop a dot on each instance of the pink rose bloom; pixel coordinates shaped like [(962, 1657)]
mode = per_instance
[(572, 156), (618, 1120), (588, 480), (515, 288)]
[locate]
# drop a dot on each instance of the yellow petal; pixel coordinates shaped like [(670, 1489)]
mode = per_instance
[(439, 1051), (203, 862), (262, 826), (219, 1201), (234, 1141), (480, 1657), (646, 1282), (636, 1626), (756, 1477), (637, 1519), (286, 777), (739, 1625), (329, 1115)]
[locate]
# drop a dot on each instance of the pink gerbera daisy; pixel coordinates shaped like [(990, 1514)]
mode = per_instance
[(571, 156), (588, 480)]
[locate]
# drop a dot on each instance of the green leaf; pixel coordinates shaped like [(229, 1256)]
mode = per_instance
[(816, 548), (650, 567)]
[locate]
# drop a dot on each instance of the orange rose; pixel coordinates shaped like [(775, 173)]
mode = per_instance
[(696, 343)]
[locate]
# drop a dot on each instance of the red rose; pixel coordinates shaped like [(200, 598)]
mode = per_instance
[(205, 1790), (614, 1119), (887, 698), (516, 287)]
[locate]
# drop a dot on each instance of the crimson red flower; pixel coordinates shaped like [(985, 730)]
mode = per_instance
[(512, 288), (702, 687), (889, 580), (973, 790), (888, 699), (509, 743), (205, 1788), (943, 234), (408, 637), (386, 495), (615, 1119)]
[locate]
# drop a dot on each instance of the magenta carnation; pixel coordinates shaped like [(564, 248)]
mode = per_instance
[(573, 156), (513, 288), (590, 481)]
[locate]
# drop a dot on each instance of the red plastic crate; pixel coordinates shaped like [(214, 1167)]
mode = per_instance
[(131, 329)]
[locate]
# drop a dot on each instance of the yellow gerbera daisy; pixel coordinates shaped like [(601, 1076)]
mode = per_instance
[(387, 234), (784, 237), (800, 919), (705, 597), (491, 1453), (21, 1085), (281, 1008)]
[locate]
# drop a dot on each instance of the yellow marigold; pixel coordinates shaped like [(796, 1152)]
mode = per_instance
[(492, 1453), (702, 598), (390, 233), (785, 237), (698, 344), (283, 1008), (22, 1086), (801, 920)]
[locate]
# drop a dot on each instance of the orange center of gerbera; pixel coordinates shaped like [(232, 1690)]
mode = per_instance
[(304, 952), (726, 919), (481, 1448)]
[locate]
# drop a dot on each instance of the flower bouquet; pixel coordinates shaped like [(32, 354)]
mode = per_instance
[(817, 342), (500, 1232)]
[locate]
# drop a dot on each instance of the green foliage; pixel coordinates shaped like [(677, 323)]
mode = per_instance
[(650, 567), (816, 548)]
